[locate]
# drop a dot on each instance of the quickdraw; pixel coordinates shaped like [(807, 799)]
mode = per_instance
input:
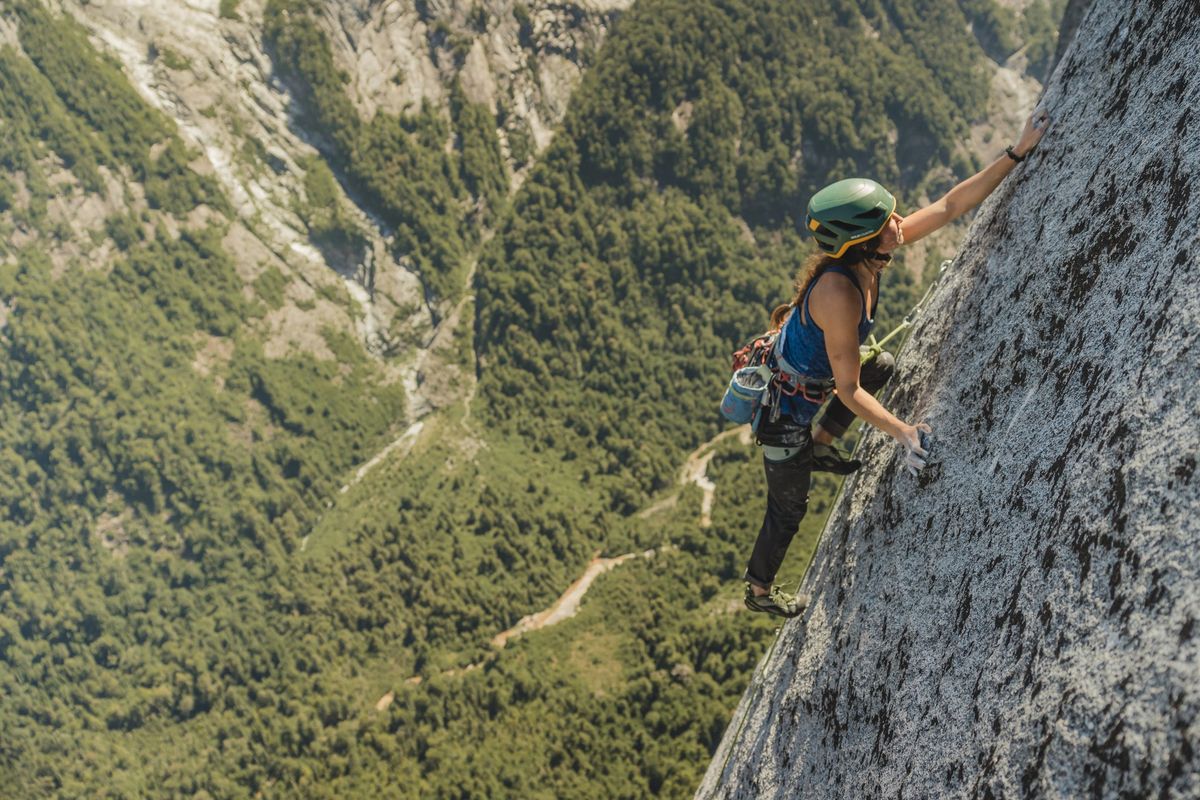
[(872, 348), (755, 351)]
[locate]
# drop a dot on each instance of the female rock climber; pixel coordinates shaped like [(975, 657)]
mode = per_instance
[(856, 227)]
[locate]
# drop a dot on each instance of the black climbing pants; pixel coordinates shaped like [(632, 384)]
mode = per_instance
[(788, 481), (787, 502)]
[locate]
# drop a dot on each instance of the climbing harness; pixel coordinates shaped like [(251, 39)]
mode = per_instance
[(760, 376), (792, 382)]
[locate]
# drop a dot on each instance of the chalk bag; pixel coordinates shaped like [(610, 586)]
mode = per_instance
[(745, 394)]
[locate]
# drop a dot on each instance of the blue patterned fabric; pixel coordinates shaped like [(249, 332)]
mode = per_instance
[(804, 346)]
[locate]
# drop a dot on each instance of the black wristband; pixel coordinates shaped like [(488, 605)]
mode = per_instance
[(1008, 151)]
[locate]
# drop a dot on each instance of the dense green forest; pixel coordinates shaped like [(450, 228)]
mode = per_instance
[(190, 605)]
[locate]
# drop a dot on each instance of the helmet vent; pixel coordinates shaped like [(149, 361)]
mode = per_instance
[(873, 213), (848, 227)]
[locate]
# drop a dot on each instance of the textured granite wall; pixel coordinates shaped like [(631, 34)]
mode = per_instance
[(1021, 620)]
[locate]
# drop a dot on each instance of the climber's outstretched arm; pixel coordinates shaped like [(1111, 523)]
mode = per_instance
[(971, 192)]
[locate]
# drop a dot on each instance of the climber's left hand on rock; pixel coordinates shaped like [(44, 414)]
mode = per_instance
[(1035, 128)]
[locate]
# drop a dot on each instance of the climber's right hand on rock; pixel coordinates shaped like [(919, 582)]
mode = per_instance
[(915, 455)]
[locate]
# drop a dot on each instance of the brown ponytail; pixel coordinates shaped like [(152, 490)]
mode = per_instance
[(814, 265), (778, 316)]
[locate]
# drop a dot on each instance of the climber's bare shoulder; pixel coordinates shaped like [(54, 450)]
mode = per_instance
[(835, 303)]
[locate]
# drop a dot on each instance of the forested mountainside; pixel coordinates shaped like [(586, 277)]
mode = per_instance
[(209, 585)]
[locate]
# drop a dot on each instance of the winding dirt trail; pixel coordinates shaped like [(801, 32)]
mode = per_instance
[(566, 605), (563, 608), (405, 442), (694, 470)]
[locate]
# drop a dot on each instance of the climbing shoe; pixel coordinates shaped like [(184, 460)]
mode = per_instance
[(776, 602), (826, 458)]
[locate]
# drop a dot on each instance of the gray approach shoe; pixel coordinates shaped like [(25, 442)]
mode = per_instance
[(776, 602)]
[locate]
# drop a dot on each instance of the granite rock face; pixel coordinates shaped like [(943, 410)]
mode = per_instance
[(1021, 619)]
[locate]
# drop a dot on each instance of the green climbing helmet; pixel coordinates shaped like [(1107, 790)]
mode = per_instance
[(848, 212)]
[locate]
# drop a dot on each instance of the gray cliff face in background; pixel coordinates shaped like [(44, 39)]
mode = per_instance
[(221, 87), (1021, 620)]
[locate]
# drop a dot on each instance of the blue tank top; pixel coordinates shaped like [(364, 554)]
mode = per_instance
[(804, 345)]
